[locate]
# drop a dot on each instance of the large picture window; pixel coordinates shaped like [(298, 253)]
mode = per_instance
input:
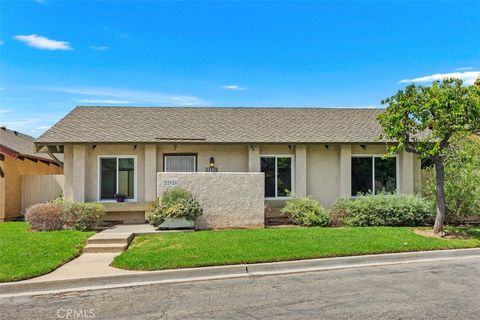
[(180, 163), (117, 175), (374, 174), (278, 172)]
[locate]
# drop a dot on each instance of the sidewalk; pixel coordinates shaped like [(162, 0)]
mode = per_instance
[(122, 278)]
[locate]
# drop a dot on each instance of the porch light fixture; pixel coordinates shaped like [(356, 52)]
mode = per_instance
[(326, 146), (290, 147), (212, 162), (364, 147)]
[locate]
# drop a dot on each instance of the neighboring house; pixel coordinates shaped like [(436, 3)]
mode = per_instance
[(17, 158), (319, 152)]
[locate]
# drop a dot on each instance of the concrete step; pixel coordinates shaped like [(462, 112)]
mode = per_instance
[(105, 248), (111, 238), (278, 221)]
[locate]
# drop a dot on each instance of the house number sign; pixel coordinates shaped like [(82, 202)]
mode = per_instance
[(170, 183)]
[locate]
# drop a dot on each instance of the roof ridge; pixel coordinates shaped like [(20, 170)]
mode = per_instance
[(230, 107)]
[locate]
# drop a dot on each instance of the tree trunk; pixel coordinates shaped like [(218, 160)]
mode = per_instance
[(440, 188)]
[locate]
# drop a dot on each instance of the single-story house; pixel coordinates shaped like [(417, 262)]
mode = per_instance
[(17, 158), (325, 153)]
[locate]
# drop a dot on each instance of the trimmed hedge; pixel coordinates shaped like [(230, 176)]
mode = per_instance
[(60, 214), (306, 212), (383, 210)]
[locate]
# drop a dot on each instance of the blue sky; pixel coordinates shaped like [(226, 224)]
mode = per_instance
[(55, 55)]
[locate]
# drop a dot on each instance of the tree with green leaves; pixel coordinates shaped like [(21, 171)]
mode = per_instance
[(462, 179), (423, 120)]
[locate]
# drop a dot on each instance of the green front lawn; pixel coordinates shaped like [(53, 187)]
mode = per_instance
[(25, 254), (208, 248)]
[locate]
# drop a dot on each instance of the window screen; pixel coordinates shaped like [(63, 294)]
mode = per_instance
[(180, 163)]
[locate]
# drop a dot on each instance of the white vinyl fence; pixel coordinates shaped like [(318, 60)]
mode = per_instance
[(41, 188)]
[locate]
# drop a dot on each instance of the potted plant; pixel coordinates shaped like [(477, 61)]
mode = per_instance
[(120, 197), (176, 209)]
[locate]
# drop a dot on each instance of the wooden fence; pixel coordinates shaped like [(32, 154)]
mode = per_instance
[(40, 188)]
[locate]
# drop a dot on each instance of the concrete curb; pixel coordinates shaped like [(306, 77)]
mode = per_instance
[(230, 271)]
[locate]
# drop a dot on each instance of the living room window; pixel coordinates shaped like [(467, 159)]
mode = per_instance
[(374, 174), (117, 175), (180, 162), (278, 172)]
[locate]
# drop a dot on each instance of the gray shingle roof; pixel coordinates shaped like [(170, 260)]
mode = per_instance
[(215, 125), (18, 143)]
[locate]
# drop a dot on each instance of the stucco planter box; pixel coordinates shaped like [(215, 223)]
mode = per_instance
[(177, 224)]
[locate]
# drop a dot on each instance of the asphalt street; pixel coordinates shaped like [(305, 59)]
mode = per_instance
[(427, 290)]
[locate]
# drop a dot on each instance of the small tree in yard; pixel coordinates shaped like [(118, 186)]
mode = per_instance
[(423, 120)]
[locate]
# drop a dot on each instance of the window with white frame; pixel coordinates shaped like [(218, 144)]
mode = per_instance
[(117, 175), (278, 172), (374, 174), (180, 163)]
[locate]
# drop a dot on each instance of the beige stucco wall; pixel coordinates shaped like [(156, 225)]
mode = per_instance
[(323, 173), (10, 184), (74, 169), (326, 178), (228, 158), (229, 200)]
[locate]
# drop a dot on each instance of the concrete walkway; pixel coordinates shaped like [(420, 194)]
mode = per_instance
[(98, 254)]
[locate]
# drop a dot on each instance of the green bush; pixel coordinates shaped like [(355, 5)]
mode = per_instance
[(86, 216), (462, 179), (306, 212), (176, 203), (383, 210)]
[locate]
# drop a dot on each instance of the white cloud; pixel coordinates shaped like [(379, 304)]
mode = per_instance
[(101, 101), (43, 43), (463, 68), (30, 123), (99, 48), (233, 87), (42, 127), (468, 77), (5, 110), (131, 95)]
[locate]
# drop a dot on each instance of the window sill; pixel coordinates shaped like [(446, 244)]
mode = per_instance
[(115, 201)]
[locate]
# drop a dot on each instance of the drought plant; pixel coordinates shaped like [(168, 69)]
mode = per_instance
[(47, 217), (175, 203)]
